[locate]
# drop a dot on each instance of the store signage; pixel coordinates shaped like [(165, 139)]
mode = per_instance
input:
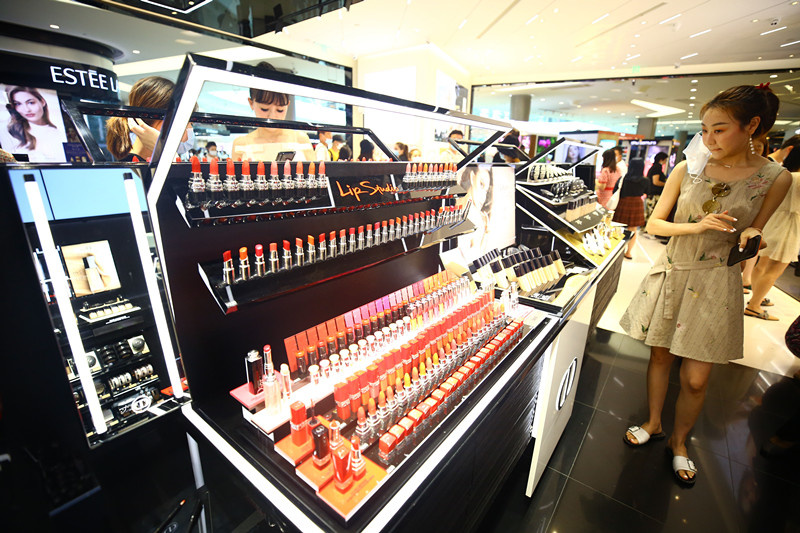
[(565, 387), (364, 189), (642, 143), (84, 81)]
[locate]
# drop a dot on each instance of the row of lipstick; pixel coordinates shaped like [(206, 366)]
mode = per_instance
[(533, 271), (251, 191), (357, 239), (429, 176)]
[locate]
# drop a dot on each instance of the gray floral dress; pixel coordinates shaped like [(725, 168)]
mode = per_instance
[(691, 301)]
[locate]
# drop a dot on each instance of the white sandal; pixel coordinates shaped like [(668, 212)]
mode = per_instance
[(679, 462), (641, 436)]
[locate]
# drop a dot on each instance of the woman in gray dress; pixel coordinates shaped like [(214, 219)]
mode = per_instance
[(690, 304)]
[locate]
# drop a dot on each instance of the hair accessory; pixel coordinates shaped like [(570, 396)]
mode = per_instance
[(763, 86)]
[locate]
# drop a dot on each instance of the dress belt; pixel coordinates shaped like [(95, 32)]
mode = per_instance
[(668, 268), (609, 188)]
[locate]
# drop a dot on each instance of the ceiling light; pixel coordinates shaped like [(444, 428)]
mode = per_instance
[(135, 51), (595, 21), (773, 76), (541, 99), (528, 58), (773, 31), (699, 33), (695, 81), (759, 57), (623, 114), (55, 26), (690, 55), (659, 110), (532, 19), (691, 105), (673, 17), (574, 59), (633, 46), (462, 24), (609, 111), (691, 98), (612, 68), (184, 41), (693, 90), (790, 44), (754, 20), (632, 57), (556, 9), (644, 22), (183, 11), (594, 109)]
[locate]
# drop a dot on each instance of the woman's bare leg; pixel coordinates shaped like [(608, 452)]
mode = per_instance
[(767, 271), (694, 382), (631, 242), (657, 383)]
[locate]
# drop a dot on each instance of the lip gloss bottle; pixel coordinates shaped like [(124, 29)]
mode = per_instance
[(321, 455), (197, 187), (227, 268), (287, 256), (214, 186), (244, 264), (272, 391), (321, 247), (332, 245)]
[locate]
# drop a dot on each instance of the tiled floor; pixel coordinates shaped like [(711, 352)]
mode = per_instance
[(594, 482)]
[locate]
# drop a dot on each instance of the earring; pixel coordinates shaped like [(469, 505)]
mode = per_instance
[(752, 148)]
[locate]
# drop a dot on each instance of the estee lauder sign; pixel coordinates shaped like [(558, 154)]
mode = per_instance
[(363, 189), (66, 77)]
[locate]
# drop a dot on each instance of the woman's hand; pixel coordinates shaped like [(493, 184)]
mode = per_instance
[(746, 235), (147, 135), (716, 222)]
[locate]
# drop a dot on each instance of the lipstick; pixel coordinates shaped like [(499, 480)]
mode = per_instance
[(214, 187), (374, 382), (368, 239), (372, 417), (391, 230), (362, 429), (340, 455), (311, 251), (274, 194), (400, 397), (325, 369), (332, 245), (321, 247), (360, 239), (300, 183), (321, 454), (287, 256), (227, 268), (311, 355), (313, 374), (261, 267), (246, 185), (299, 255), (383, 412), (231, 186), (286, 380), (322, 181), (273, 257), (244, 264), (260, 185), (333, 347), (341, 341), (311, 182), (407, 177), (355, 393), (197, 187), (254, 366), (301, 362), (287, 183), (299, 423), (342, 242), (342, 400), (391, 407), (351, 241), (384, 232), (357, 464)]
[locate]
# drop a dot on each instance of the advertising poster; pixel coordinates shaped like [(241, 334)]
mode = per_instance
[(31, 124)]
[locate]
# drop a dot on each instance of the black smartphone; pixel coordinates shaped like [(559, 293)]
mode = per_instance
[(750, 250), (285, 156)]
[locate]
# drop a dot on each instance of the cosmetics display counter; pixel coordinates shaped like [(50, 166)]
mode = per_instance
[(87, 240)]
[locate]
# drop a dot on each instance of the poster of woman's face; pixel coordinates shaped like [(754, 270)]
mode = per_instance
[(31, 123)]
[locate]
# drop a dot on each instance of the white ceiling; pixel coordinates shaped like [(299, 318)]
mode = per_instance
[(505, 41)]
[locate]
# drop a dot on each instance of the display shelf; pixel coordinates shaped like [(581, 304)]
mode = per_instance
[(536, 206)]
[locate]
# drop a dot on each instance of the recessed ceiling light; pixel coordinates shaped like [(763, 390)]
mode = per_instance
[(541, 99), (594, 109), (691, 98), (609, 111), (633, 46), (556, 9), (689, 55), (759, 57), (462, 24), (772, 31), (699, 33), (624, 62), (691, 105), (598, 19), (637, 35), (695, 81), (673, 17), (578, 106), (789, 44), (55, 26), (754, 20), (693, 90), (623, 114), (632, 57), (532, 19), (574, 59), (791, 55), (612, 68), (184, 41), (644, 22), (773, 76), (135, 52)]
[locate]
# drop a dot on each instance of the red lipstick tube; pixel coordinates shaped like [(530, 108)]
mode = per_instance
[(355, 393), (374, 382), (363, 385), (227, 268), (351, 241), (287, 256), (299, 423), (273, 257), (341, 459), (342, 400), (332, 245), (368, 242), (261, 266), (357, 463), (360, 239), (321, 247), (342, 242), (299, 254)]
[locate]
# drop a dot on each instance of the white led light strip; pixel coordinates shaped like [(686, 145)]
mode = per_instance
[(59, 279), (162, 327)]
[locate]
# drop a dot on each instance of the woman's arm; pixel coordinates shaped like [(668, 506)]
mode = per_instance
[(602, 179), (657, 223), (775, 195)]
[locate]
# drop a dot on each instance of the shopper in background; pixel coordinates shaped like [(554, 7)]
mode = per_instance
[(153, 92), (657, 179), (336, 144), (211, 149), (264, 144), (401, 151), (690, 304), (621, 164), (782, 238), (450, 154), (322, 151), (508, 154), (345, 153), (786, 148), (416, 155), (607, 180), (630, 210), (367, 151)]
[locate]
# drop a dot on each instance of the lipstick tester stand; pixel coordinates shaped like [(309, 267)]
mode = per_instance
[(438, 467)]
